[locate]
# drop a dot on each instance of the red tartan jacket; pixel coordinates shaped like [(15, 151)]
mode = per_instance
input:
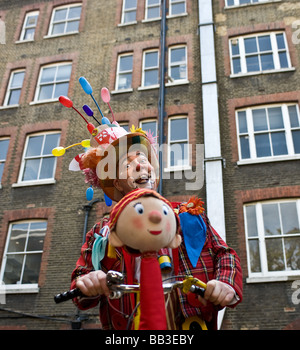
[(217, 261)]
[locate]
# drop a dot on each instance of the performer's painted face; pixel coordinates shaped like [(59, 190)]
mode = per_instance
[(135, 171), (146, 224)]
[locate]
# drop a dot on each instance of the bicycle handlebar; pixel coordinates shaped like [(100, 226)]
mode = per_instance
[(114, 279)]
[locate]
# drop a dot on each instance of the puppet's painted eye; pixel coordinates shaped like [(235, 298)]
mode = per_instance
[(139, 208), (165, 209)]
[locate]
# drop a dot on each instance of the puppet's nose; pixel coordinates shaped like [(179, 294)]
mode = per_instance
[(155, 216), (138, 167)]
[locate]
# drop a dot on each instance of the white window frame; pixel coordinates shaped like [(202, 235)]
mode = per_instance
[(251, 135), (147, 7), (275, 52), (37, 181), (265, 275), (29, 26), (174, 2), (236, 3), (150, 120), (37, 92), (119, 74), (150, 68), (186, 166), (10, 88), (184, 63), (68, 7), (124, 11), (19, 287), (3, 161)]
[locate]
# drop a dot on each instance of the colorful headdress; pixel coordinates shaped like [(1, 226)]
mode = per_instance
[(108, 143)]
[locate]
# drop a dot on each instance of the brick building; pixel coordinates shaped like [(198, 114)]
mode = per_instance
[(230, 83)]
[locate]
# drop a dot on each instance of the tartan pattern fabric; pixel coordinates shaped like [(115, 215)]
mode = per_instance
[(217, 261)]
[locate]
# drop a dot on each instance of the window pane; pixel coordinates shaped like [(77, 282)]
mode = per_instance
[(1, 170), (292, 251), (34, 146), (296, 140), (45, 92), (245, 149), (60, 15), (29, 34), (125, 63), (47, 168), (58, 28), (178, 8), (72, 26), (3, 149), (275, 118), (236, 62), (153, 12), (153, 2), (267, 62), (275, 255), (280, 41), (17, 238), (63, 72), (250, 45), (51, 142), (254, 255), (178, 55), (17, 80), (251, 221), (149, 126), (124, 81), (48, 75), (242, 122), (293, 116), (252, 63), (61, 89), (31, 170), (264, 43), (13, 268), (32, 268), (178, 129), (271, 219), (279, 143), (179, 154), (262, 143), (151, 77), (235, 49), (259, 119), (74, 12), (130, 4), (283, 60), (14, 97), (151, 59), (129, 16), (289, 218), (36, 236)]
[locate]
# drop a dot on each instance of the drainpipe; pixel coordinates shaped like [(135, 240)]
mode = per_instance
[(212, 144), (161, 102)]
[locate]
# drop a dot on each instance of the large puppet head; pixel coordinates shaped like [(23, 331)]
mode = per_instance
[(144, 221)]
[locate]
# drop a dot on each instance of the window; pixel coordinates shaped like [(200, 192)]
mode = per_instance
[(150, 68), (38, 163), (269, 132), (149, 125), (23, 253), (178, 143), (29, 26), (3, 152), (124, 125), (14, 88), (273, 238), (124, 72), (129, 11), (178, 64), (259, 53), (152, 9), (65, 20), (53, 82), (244, 2), (177, 7)]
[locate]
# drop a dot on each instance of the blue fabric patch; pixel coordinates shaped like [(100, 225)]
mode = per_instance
[(194, 234), (98, 250)]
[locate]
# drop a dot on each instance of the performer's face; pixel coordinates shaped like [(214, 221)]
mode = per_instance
[(135, 171)]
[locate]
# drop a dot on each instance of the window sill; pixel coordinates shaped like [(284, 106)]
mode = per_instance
[(42, 102), (179, 15), (9, 107), (251, 4), (178, 82), (122, 91), (24, 41), (19, 288), (141, 88), (267, 279), (151, 20), (267, 160), (59, 35), (34, 183), (127, 24), (273, 71)]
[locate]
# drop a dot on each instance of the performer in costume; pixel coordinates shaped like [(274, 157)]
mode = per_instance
[(119, 162)]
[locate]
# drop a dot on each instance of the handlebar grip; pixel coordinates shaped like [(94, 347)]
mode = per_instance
[(197, 290), (73, 293)]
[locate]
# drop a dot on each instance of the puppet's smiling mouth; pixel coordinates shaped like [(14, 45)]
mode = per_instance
[(142, 179), (154, 232)]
